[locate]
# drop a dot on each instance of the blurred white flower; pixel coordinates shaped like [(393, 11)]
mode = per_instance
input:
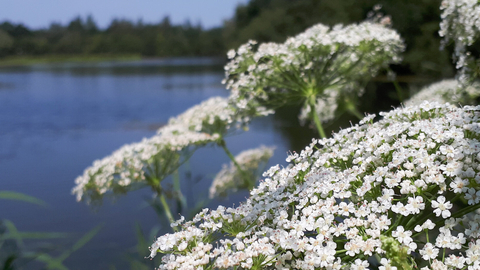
[(230, 178)]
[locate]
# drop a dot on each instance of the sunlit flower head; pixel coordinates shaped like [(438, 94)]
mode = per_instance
[(321, 63), (373, 194)]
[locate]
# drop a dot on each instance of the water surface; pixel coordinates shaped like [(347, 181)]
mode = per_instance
[(55, 120)]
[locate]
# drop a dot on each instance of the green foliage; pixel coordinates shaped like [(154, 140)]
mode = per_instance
[(6, 42), (83, 37)]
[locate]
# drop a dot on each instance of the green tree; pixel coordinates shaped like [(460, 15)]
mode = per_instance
[(6, 43)]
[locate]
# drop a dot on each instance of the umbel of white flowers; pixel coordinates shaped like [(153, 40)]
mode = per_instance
[(320, 64), (399, 193), (230, 178), (450, 91), (461, 24), (148, 162)]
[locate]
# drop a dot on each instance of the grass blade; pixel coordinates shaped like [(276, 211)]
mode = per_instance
[(11, 195)]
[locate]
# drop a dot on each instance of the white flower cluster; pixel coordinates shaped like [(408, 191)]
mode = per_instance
[(447, 91), (400, 193), (460, 23), (153, 159), (133, 163), (230, 178), (305, 66), (214, 116)]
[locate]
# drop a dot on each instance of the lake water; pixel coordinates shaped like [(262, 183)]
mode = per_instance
[(55, 120)]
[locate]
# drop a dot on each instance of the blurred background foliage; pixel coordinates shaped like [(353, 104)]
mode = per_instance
[(417, 21)]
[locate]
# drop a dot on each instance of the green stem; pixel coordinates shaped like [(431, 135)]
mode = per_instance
[(421, 221), (352, 109), (176, 186), (399, 90), (246, 178), (315, 117), (165, 206), (466, 210), (159, 190), (397, 222)]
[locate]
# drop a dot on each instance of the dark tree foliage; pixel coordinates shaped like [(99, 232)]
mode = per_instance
[(122, 37)]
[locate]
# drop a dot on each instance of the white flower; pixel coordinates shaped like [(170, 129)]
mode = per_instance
[(360, 265), (442, 207), (472, 196), (457, 262), (429, 252), (402, 235), (386, 265), (427, 225), (415, 204), (231, 54)]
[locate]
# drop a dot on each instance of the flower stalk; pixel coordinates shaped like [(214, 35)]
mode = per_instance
[(246, 178)]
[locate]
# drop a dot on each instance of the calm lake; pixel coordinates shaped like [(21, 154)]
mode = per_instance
[(55, 120)]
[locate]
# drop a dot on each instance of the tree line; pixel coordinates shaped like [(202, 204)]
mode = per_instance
[(121, 37), (417, 21)]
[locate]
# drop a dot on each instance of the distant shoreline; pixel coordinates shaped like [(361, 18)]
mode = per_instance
[(15, 61), (21, 61)]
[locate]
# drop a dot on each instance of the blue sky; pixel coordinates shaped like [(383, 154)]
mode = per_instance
[(40, 13)]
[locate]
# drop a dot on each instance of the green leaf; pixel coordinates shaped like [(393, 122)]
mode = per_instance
[(35, 235), (11, 195), (51, 262), (12, 233), (8, 265)]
